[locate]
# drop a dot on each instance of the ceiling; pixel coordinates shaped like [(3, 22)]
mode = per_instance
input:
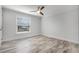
[(48, 10), (24, 8)]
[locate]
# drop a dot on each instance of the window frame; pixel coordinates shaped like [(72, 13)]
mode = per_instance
[(17, 26)]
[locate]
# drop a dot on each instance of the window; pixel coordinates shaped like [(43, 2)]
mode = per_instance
[(23, 24)]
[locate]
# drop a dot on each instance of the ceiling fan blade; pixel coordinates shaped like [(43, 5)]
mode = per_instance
[(42, 8), (41, 13)]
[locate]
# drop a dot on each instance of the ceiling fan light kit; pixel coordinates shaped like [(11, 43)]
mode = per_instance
[(39, 10)]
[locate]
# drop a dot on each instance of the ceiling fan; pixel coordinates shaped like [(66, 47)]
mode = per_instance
[(39, 10)]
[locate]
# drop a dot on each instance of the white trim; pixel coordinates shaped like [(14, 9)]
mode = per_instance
[(61, 38), (9, 39)]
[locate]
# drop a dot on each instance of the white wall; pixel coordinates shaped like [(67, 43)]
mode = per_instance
[(0, 24), (9, 20), (0, 17), (62, 25), (59, 21)]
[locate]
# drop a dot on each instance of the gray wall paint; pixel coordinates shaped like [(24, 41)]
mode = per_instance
[(9, 20), (0, 17), (62, 25), (0, 24), (58, 21)]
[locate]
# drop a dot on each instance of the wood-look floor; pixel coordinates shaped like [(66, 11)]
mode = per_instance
[(39, 44)]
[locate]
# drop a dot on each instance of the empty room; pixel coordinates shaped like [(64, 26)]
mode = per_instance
[(39, 28)]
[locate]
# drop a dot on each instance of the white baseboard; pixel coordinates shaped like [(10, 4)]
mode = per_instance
[(61, 38), (10, 39)]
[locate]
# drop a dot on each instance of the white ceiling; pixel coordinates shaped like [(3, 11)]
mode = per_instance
[(24, 8), (49, 9)]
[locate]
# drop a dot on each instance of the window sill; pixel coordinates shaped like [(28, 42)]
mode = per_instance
[(23, 32)]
